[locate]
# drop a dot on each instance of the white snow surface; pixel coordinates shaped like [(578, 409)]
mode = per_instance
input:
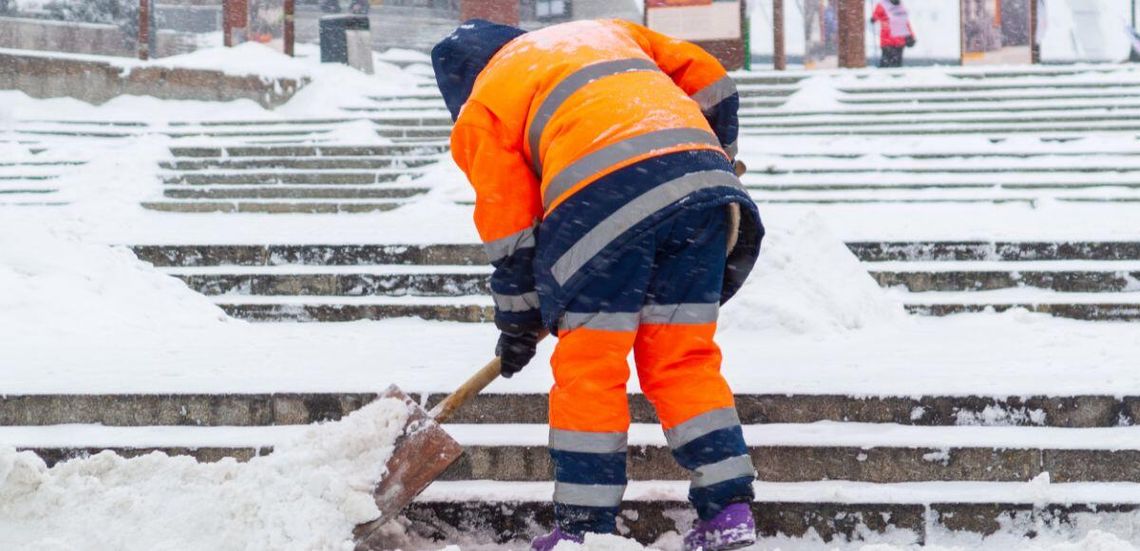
[(309, 494)]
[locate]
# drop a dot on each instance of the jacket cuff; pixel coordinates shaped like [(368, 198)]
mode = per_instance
[(528, 321)]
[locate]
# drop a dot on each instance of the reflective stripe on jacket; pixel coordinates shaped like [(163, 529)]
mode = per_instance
[(580, 136)]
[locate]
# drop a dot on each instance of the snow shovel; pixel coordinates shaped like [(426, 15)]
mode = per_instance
[(422, 453)]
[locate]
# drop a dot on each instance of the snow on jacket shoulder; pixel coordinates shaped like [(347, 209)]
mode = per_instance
[(578, 139)]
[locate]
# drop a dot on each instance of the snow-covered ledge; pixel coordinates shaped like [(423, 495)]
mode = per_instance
[(270, 79)]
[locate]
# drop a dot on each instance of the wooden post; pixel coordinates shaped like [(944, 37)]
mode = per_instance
[(962, 32), (504, 12), (779, 49), (852, 27), (144, 30), (1034, 47), (290, 8), (235, 15)]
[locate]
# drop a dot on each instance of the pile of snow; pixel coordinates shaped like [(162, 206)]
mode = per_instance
[(308, 494), (807, 281), (249, 58), (57, 284)]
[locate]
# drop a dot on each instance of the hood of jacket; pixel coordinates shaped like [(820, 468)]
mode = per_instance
[(459, 58)]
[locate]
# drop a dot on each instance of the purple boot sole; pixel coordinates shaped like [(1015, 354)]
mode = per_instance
[(551, 540), (732, 528)]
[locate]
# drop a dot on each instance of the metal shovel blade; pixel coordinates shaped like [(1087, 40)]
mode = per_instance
[(421, 454)]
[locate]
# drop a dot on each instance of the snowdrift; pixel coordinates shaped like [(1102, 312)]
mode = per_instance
[(308, 494)]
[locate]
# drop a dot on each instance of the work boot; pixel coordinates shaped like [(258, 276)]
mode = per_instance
[(732, 528), (551, 540)]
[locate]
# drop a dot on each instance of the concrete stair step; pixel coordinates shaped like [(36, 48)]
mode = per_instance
[(1055, 130), (879, 454), (919, 195), (199, 152), (251, 132), (268, 409), (1101, 281), (901, 122), (415, 132), (324, 177), (983, 86), (761, 103), (770, 79), (311, 206), (460, 254), (880, 251), (957, 154), (1125, 167), (960, 97), (509, 512), (11, 193), (1108, 309), (918, 186), (27, 177), (301, 163), (292, 192), (47, 163), (470, 309), (257, 122), (471, 254), (356, 283), (1037, 71), (1028, 106), (440, 283)]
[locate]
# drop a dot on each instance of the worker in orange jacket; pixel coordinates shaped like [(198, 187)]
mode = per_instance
[(602, 154)]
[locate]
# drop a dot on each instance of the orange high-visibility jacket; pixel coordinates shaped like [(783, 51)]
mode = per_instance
[(580, 137)]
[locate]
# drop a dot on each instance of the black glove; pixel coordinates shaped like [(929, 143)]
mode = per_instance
[(516, 350), (910, 42)]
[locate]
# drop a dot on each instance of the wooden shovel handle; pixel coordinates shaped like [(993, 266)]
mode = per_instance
[(443, 411), (485, 376)]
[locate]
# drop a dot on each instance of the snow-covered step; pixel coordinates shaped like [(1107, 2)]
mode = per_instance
[(1068, 277), (1035, 119), (1059, 129), (953, 194), (530, 407), (1096, 306), (271, 206), (874, 453), (314, 254), (1071, 151), (761, 103), (468, 309), (992, 85), (770, 78), (1008, 97), (303, 151), (502, 513), (301, 163), (298, 192), (881, 251), (290, 176), (346, 281), (961, 107)]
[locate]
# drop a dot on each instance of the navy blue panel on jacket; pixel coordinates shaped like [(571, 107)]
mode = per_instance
[(563, 228), (725, 122), (459, 58)]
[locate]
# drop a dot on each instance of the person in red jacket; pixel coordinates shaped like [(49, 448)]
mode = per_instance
[(895, 32)]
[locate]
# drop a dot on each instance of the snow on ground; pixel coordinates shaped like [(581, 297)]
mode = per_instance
[(309, 494), (810, 321)]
